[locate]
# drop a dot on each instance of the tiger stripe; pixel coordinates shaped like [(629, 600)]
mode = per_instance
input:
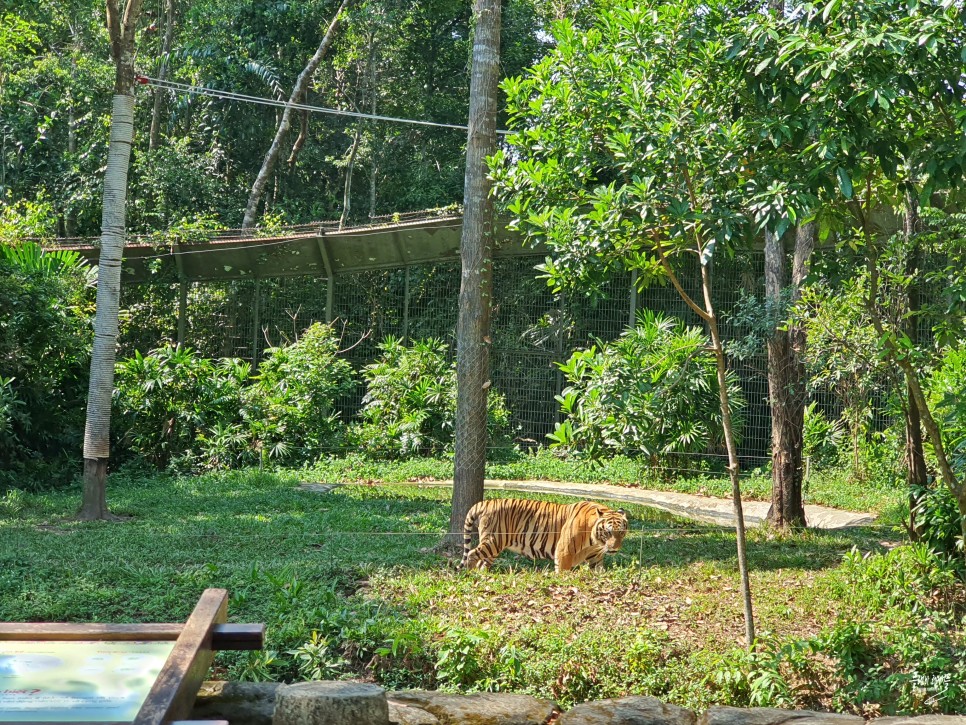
[(568, 534)]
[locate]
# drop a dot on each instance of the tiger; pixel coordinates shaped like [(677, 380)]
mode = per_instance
[(569, 535)]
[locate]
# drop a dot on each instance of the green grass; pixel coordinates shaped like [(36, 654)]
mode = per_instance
[(835, 488), (349, 584)]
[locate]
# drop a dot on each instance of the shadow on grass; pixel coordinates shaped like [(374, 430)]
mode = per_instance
[(232, 520)]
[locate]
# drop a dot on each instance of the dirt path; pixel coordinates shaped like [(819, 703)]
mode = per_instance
[(698, 508)]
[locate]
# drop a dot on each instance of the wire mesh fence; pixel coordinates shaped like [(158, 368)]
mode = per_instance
[(532, 329)]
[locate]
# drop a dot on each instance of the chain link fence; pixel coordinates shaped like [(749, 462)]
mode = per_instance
[(532, 328)]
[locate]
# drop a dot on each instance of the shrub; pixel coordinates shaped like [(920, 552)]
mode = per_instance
[(653, 391), (936, 511), (178, 409), (168, 401), (45, 339), (410, 403), (822, 438), (290, 410)]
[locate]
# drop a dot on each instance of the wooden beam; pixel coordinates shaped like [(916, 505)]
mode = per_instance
[(176, 687), (223, 636)]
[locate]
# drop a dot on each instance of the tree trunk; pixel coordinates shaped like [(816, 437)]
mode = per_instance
[(915, 458), (476, 285), (347, 191), (301, 86), (786, 380), (733, 466), (101, 386), (155, 135)]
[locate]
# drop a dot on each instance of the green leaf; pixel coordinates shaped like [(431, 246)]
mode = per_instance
[(707, 253), (845, 183)]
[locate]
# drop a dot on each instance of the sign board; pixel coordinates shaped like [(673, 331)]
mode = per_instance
[(78, 681), (145, 674)]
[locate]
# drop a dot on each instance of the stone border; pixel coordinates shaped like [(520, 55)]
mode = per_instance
[(321, 703)]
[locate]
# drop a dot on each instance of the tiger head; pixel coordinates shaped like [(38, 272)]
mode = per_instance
[(610, 528)]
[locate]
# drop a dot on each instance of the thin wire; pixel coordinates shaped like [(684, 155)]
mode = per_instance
[(259, 100), (708, 528)]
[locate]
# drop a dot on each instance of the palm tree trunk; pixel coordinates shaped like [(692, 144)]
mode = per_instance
[(476, 285), (101, 387)]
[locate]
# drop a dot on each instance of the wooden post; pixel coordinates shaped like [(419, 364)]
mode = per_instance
[(405, 330), (257, 323), (182, 309)]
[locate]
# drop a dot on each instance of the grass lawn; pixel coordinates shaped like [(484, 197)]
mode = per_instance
[(349, 584)]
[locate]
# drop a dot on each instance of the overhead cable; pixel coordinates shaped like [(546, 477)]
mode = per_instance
[(259, 100)]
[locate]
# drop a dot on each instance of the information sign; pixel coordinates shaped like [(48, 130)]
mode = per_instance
[(79, 681)]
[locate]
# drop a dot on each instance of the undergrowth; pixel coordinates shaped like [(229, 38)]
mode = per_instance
[(350, 586)]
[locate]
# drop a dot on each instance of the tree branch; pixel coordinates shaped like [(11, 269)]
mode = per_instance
[(699, 311)]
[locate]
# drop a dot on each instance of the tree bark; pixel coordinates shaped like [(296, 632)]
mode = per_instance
[(155, 135), (732, 448), (915, 457), (101, 386), (347, 191), (786, 380), (476, 285), (301, 86)]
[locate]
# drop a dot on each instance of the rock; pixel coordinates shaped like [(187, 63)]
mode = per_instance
[(400, 714), (240, 703), (480, 708), (331, 703), (627, 711), (774, 716)]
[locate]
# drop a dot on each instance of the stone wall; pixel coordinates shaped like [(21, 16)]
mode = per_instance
[(352, 703)]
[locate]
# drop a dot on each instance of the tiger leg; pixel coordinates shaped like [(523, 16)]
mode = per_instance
[(470, 556), (563, 560), (483, 555), (596, 561)]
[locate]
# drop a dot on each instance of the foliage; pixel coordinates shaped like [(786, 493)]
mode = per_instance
[(945, 386), (937, 514), (410, 403), (44, 357), (179, 409), (290, 409), (822, 438), (897, 650), (651, 392), (166, 400), (842, 353), (627, 148)]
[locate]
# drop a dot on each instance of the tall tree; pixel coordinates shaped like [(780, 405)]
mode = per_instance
[(627, 157), (155, 134), (476, 257), (786, 375), (122, 28), (882, 101), (298, 93), (915, 455)]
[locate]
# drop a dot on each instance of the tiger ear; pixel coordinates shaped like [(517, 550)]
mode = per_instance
[(622, 512)]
